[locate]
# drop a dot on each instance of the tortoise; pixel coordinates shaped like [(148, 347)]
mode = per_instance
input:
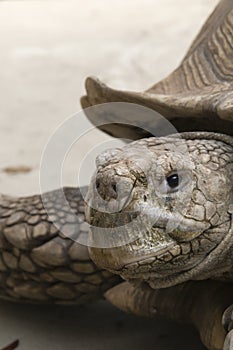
[(176, 261)]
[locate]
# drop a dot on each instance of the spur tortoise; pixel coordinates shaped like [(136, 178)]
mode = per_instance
[(177, 261)]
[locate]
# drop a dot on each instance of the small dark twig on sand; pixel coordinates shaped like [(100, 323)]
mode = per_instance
[(12, 346)]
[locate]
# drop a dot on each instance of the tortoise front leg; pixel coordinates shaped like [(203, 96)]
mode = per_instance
[(199, 303), (38, 263)]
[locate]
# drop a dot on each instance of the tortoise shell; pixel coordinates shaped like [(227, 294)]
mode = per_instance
[(197, 96)]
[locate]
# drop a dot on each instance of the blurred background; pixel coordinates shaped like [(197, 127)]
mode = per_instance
[(47, 48)]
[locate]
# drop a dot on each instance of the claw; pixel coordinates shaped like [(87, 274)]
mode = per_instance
[(227, 318), (228, 344)]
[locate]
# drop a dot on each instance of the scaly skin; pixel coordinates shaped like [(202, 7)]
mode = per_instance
[(40, 264)]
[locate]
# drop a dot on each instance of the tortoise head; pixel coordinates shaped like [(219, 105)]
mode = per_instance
[(160, 208)]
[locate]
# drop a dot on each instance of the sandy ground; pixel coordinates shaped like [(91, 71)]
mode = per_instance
[(47, 50)]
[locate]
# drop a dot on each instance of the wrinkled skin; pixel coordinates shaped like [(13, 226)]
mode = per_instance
[(183, 231)]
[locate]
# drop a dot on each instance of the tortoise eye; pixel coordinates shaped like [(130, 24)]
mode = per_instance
[(173, 181)]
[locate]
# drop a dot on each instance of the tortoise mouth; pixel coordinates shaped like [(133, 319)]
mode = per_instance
[(169, 264), (203, 267), (141, 234)]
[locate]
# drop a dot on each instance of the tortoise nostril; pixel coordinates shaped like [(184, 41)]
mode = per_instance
[(114, 187), (106, 187), (110, 186)]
